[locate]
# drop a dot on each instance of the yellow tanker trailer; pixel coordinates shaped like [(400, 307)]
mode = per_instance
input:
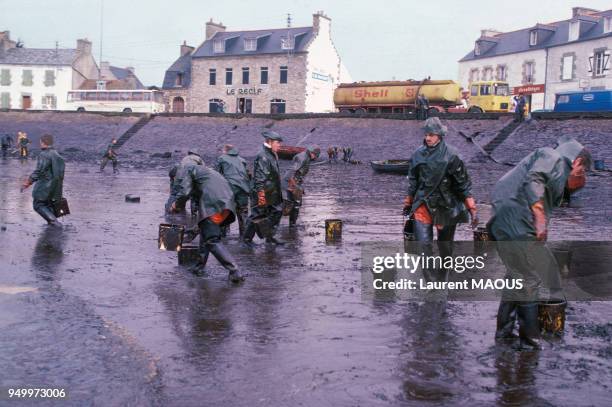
[(400, 96)]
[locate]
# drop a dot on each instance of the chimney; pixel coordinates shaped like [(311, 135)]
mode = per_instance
[(186, 49), (84, 46), (130, 69), (212, 28), (489, 32), (5, 41), (583, 11), (321, 22), (105, 72)]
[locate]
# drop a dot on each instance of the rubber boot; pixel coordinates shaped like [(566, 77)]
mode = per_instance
[(115, 167), (225, 258), (506, 317), (48, 215), (293, 217), (249, 234), (529, 326), (198, 268)]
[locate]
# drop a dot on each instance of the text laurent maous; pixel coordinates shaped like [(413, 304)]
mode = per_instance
[(476, 284)]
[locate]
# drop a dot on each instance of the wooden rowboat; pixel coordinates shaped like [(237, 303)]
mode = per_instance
[(392, 166), (288, 152)]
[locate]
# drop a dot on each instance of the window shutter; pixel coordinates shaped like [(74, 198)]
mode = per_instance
[(49, 78), (5, 77), (5, 100), (591, 61), (606, 62)]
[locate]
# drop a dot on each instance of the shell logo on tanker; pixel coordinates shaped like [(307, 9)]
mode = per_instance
[(379, 93)]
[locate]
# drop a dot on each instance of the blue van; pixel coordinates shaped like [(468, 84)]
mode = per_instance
[(591, 101)]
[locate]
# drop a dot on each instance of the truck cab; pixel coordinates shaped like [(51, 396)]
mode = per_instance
[(489, 96)]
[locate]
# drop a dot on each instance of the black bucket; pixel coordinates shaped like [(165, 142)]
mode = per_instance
[(170, 237), (409, 235), (481, 234), (262, 226), (132, 198), (60, 208), (551, 315), (333, 229), (188, 255)]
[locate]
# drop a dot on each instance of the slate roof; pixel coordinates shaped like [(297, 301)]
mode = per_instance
[(518, 41), (181, 65), (268, 42), (36, 56), (123, 73)]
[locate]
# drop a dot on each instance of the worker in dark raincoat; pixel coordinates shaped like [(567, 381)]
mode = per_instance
[(7, 142), (267, 199), (175, 186), (523, 200), (234, 169), (48, 178), (216, 209), (192, 158), (293, 181), (422, 105), (110, 154)]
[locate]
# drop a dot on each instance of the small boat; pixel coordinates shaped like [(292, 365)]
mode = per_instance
[(288, 152), (393, 166)]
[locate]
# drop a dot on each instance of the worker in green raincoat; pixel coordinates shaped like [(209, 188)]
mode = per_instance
[(110, 154), (523, 200), (293, 182), (48, 178), (234, 169), (216, 209)]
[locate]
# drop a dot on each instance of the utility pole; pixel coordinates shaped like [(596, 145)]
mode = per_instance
[(101, 35)]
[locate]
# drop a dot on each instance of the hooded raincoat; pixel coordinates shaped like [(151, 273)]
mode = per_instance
[(48, 177)]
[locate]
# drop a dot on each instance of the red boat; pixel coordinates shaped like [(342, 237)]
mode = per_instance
[(288, 152)]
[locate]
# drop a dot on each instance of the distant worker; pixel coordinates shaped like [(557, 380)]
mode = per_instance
[(347, 154), (23, 141), (519, 113), (216, 209), (110, 154), (175, 186), (49, 179), (293, 181), (267, 193), (234, 169), (7, 142), (523, 201)]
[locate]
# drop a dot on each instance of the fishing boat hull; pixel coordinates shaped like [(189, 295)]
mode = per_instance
[(391, 166)]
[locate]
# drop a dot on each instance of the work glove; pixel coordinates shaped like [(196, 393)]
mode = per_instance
[(408, 200), (261, 198), (539, 221), (26, 184), (470, 204)]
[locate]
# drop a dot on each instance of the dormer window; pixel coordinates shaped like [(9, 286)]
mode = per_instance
[(574, 30), (477, 49), (250, 44), (219, 46), (607, 24), (533, 38), (286, 43)]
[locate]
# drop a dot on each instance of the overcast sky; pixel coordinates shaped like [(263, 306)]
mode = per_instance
[(378, 40)]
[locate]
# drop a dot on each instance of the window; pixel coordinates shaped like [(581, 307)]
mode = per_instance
[(574, 31), (49, 102), (277, 106), (250, 44), (264, 75), (474, 90), (599, 62), (218, 46), (533, 37), (212, 76), (286, 43), (5, 100), (49, 78), (485, 90), (5, 77), (501, 89), (228, 76), (215, 106), (27, 77), (245, 76), (283, 74), (563, 99), (487, 73), (179, 79), (567, 67), (529, 72), (607, 24), (474, 74), (502, 72)]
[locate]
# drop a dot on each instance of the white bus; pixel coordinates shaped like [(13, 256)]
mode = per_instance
[(126, 101)]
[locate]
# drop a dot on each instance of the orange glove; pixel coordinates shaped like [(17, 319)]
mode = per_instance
[(470, 204), (408, 200), (261, 198), (26, 184), (539, 221), (292, 184)]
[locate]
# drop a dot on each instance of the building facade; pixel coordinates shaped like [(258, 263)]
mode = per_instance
[(41, 78), (545, 59), (287, 70)]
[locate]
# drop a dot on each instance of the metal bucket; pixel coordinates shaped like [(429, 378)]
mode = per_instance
[(132, 198), (599, 165), (409, 230), (262, 226), (481, 234), (60, 208), (551, 315), (333, 229), (170, 237), (188, 255)]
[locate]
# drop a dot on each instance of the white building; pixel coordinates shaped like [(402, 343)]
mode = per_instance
[(279, 70), (33, 78), (544, 59)]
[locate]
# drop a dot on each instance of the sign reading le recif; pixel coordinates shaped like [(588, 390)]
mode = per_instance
[(528, 89), (243, 91)]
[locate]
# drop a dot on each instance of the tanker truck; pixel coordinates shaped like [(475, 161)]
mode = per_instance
[(400, 96)]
